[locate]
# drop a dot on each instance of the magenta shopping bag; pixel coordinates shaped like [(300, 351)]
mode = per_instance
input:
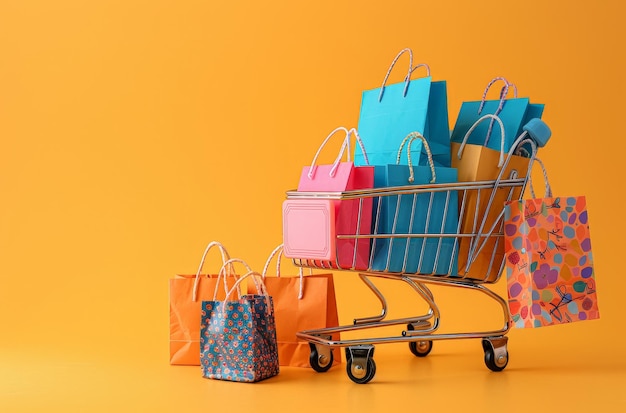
[(311, 226)]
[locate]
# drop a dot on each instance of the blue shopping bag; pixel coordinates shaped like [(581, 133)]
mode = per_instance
[(391, 112), (514, 113), (428, 212)]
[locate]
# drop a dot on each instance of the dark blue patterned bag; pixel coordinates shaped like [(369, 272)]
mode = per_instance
[(238, 337)]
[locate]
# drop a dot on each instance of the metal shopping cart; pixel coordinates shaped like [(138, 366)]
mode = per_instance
[(427, 257)]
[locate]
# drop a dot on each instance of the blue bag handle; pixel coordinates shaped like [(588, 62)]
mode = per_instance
[(503, 93), (407, 78), (410, 138)]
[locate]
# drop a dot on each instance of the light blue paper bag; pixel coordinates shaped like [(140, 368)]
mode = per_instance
[(422, 213), (389, 113)]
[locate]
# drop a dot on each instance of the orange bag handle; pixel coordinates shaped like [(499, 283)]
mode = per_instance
[(278, 253), (475, 125), (225, 258)]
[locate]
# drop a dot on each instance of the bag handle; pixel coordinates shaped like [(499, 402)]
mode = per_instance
[(503, 94), (548, 188), (278, 253), (222, 275), (474, 126), (410, 138), (260, 287), (225, 258), (407, 78), (344, 147), (424, 65)]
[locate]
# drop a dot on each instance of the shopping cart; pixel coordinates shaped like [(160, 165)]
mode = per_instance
[(478, 235)]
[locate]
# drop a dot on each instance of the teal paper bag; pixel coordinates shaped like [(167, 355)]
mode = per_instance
[(514, 113), (391, 112), (433, 213)]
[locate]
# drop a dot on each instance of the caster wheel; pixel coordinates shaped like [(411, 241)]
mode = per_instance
[(420, 348), (496, 358), (361, 374), (321, 363)]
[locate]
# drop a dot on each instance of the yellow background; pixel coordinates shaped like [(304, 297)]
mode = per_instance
[(133, 132)]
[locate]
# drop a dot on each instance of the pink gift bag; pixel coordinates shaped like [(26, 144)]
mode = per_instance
[(312, 227)]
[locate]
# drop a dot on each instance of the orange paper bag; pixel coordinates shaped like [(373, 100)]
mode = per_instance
[(186, 293), (480, 214), (301, 303)]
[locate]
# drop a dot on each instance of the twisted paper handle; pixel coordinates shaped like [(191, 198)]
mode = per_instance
[(410, 138)]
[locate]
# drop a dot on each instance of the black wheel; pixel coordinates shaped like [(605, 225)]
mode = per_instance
[(419, 348), (357, 375), (319, 362), (493, 362)]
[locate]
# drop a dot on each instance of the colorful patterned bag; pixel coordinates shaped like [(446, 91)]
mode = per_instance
[(549, 263), (238, 337)]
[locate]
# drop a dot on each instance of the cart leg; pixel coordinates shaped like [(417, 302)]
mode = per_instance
[(361, 367), (321, 358), (496, 354)]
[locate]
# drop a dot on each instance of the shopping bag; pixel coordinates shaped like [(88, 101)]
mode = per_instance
[(300, 303), (481, 258), (311, 227), (514, 113), (186, 293), (391, 112), (434, 213), (549, 261), (238, 336)]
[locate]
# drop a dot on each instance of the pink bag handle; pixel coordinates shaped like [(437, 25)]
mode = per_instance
[(225, 258), (410, 138), (407, 78), (278, 253), (474, 126), (503, 94), (344, 147), (260, 287)]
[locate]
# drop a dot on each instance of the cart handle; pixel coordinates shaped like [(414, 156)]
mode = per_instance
[(278, 253), (503, 93), (474, 126), (225, 258), (411, 137), (344, 147)]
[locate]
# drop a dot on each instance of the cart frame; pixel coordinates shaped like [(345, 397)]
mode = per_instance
[(420, 331)]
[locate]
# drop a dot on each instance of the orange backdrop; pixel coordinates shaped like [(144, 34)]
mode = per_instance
[(136, 131)]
